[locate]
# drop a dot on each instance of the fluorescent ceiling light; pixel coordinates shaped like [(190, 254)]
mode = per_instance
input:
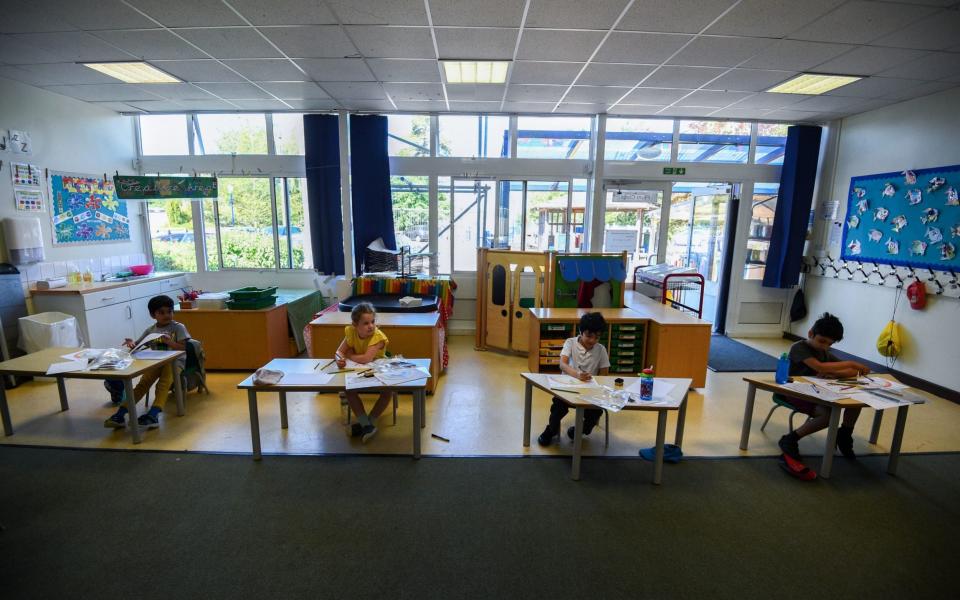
[(133, 72), (812, 84), (475, 71)]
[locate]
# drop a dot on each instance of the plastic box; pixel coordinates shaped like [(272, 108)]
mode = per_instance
[(252, 293), (48, 330)]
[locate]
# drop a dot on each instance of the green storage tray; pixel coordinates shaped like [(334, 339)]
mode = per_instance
[(252, 293), (254, 304)]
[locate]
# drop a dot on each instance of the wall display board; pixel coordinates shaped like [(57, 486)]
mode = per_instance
[(906, 218), (85, 210), (136, 187)]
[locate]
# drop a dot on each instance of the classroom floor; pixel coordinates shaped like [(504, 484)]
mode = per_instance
[(478, 405)]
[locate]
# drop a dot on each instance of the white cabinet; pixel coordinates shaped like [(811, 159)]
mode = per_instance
[(110, 325), (141, 316)]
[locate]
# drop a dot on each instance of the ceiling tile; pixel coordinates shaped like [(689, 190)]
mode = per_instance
[(576, 46), (585, 108), (55, 74), (673, 16), (933, 66), (32, 17), (289, 12), (393, 42), (323, 41), (378, 12), (230, 91), (635, 110), (468, 13), (792, 115), (404, 70), (645, 95), (336, 69), (299, 91), (177, 91), (936, 32), (790, 55), (118, 106), (612, 74), (152, 44), (14, 53), (640, 48), (750, 80), (771, 18), (682, 77), (720, 51), (189, 13), (160, 105), (686, 111), (558, 73), (104, 92), (713, 98), (770, 101), (313, 104), (535, 93), (414, 91), (261, 104), (528, 107), (822, 103), (859, 21), (920, 89), (872, 87), (737, 112), (355, 91), (212, 104), (591, 94), (488, 107), (422, 106), (69, 46), (97, 14), (486, 43), (868, 60), (198, 70), (574, 14), (368, 105), (480, 92), (267, 69), (231, 42)]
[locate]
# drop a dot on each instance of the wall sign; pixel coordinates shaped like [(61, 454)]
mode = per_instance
[(85, 210), (133, 187)]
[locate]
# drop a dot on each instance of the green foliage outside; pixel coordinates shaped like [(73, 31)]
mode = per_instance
[(178, 212), (173, 256)]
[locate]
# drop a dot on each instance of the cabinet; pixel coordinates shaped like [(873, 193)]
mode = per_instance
[(106, 327)]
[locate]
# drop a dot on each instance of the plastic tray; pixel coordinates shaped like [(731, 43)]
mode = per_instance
[(252, 293), (254, 304)]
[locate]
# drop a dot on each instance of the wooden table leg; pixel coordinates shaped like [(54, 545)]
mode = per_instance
[(658, 454), (875, 430), (527, 402), (5, 412), (747, 416), (827, 463), (418, 400), (254, 423), (681, 419), (131, 410), (577, 444), (62, 391), (283, 410), (178, 389), (897, 439)]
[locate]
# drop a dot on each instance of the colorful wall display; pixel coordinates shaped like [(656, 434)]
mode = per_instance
[(85, 210), (905, 218)]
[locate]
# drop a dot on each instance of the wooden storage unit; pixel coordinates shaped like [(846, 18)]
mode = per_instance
[(550, 327), (239, 339)]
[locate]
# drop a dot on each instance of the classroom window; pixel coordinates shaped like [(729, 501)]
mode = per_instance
[(162, 135), (411, 214), (243, 221), (763, 208), (714, 141), (288, 134), (444, 228), (171, 235), (230, 134), (771, 143), (638, 139), (408, 135), (474, 136), (293, 235), (554, 137)]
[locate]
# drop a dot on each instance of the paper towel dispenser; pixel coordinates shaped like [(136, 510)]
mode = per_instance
[(24, 240)]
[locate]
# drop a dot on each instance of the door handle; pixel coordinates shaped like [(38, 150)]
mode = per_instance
[(106, 298), (519, 314), (129, 313)]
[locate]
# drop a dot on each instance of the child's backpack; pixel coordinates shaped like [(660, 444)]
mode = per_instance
[(194, 374), (888, 344)]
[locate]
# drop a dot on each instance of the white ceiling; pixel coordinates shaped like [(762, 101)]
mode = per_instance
[(628, 57)]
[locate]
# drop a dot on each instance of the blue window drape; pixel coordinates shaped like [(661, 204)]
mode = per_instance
[(370, 183), (792, 217), (321, 139)]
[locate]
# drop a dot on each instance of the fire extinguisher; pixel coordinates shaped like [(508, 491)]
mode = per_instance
[(917, 295)]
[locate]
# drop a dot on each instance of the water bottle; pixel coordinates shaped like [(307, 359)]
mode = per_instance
[(783, 369), (646, 384)]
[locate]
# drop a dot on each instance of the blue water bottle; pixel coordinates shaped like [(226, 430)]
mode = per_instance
[(646, 384), (783, 369)]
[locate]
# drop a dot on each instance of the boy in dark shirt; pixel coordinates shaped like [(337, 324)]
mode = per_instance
[(812, 357)]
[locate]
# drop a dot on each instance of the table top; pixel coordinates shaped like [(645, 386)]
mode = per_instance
[(771, 385), (337, 384), (100, 286), (676, 394), (574, 314), (339, 318), (37, 363), (648, 308)]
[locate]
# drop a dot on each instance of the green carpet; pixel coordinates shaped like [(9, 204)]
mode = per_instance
[(222, 526)]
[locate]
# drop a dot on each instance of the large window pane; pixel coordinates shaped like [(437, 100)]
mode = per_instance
[(246, 223), (714, 141), (408, 135), (211, 235), (771, 143), (171, 235), (546, 216), (632, 224), (578, 214), (470, 201), (292, 232), (411, 211), (698, 215), (764, 206), (553, 137), (474, 135), (638, 139), (228, 134), (288, 133), (445, 227), (163, 135)]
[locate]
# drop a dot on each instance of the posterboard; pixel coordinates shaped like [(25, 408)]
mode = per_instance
[(85, 210), (906, 218)]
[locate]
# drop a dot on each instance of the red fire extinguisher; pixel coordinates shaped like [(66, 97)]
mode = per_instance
[(917, 295)]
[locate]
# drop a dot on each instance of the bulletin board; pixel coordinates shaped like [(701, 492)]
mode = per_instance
[(85, 210), (906, 218)]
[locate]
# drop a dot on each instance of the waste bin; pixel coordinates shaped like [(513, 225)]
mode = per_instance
[(48, 330)]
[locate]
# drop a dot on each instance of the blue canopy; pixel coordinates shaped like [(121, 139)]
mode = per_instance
[(588, 269)]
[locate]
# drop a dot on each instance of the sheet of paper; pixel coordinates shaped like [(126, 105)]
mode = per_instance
[(67, 367), (398, 376), (315, 378), (153, 354), (566, 382), (85, 354), (607, 401), (147, 339), (874, 401), (661, 388), (357, 382), (810, 389)]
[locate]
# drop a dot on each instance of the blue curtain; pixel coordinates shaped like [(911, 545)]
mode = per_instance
[(321, 138), (370, 183), (793, 207)]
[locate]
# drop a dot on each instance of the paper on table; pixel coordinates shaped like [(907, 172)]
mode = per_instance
[(146, 340), (355, 381), (874, 401), (661, 388), (315, 378), (810, 389), (153, 354), (67, 367), (567, 382), (84, 354), (398, 376)]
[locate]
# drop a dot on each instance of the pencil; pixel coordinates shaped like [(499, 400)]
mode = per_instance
[(439, 437), (324, 366)]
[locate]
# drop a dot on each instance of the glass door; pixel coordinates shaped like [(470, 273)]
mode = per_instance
[(632, 221), (547, 224), (472, 221)]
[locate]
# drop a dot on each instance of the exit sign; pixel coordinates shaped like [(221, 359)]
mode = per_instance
[(674, 170)]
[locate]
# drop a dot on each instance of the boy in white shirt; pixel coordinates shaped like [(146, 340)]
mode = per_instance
[(582, 357)]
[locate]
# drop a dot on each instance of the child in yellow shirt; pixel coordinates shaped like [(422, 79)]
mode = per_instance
[(363, 342)]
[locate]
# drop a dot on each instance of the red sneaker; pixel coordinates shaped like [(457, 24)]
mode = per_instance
[(796, 468)]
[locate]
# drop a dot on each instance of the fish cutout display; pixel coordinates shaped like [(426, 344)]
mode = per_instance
[(859, 192), (930, 215), (881, 214), (875, 235), (854, 247), (914, 197), (955, 231), (863, 206), (935, 184), (934, 235), (909, 177), (918, 248), (853, 222), (898, 223), (952, 198), (889, 190), (947, 251), (893, 246)]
